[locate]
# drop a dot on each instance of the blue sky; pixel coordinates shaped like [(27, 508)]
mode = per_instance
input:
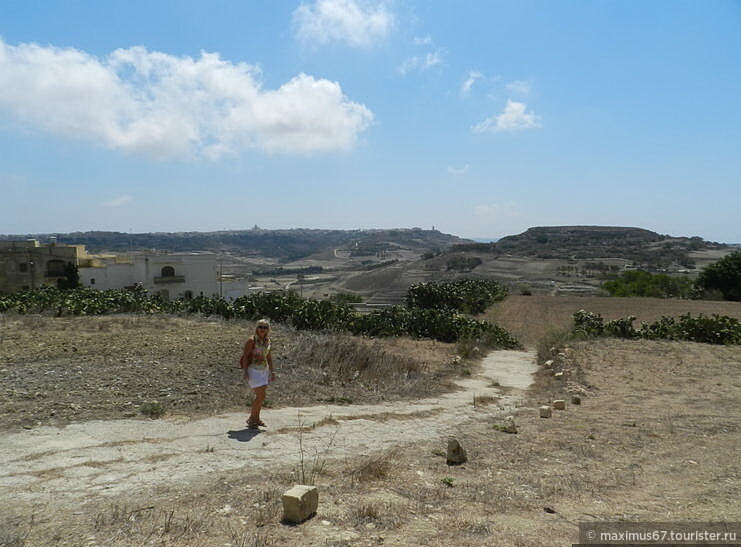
[(481, 118)]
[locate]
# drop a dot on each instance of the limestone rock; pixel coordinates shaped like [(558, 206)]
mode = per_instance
[(559, 404), (548, 363), (299, 503), (456, 453), (545, 411), (509, 425)]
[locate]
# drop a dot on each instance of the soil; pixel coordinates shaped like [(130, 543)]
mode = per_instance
[(655, 438), (533, 318), (54, 371)]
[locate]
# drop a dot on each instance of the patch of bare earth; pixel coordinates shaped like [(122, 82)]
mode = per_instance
[(531, 318), (655, 438), (59, 370)]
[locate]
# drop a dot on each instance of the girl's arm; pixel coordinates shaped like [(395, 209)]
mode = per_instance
[(247, 352)]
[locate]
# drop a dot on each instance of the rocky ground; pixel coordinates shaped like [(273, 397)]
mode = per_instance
[(58, 370), (655, 438)]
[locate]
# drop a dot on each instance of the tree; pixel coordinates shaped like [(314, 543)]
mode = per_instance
[(723, 276), (71, 277)]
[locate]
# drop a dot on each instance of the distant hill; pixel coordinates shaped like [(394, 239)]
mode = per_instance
[(644, 247), (278, 244)]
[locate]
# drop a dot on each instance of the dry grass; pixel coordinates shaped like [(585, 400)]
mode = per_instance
[(533, 318), (655, 439), (57, 370)]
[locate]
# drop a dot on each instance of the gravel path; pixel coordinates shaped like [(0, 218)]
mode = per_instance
[(83, 461)]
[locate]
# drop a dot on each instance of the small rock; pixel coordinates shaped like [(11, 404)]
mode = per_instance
[(559, 404), (456, 453), (558, 374), (575, 399), (226, 510), (299, 503), (509, 425), (548, 363), (545, 411)]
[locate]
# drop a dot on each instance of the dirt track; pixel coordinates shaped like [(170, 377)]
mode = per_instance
[(81, 462)]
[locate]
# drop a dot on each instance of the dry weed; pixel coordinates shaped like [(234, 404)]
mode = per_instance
[(374, 468), (382, 515)]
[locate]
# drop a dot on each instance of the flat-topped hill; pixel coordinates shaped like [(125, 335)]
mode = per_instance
[(593, 242)]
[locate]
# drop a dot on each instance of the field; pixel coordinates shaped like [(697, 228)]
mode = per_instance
[(531, 318), (655, 438)]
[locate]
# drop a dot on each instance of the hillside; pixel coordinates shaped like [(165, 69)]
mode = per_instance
[(281, 245), (645, 248)]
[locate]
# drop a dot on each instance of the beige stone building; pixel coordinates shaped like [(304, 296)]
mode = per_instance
[(30, 264), (170, 275)]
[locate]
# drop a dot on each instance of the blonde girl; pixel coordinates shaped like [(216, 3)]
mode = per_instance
[(257, 364)]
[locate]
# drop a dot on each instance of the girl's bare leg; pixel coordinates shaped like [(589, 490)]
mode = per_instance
[(260, 393)]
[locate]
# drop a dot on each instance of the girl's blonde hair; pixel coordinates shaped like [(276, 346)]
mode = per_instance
[(262, 323)]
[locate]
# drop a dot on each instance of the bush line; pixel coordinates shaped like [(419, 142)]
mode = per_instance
[(439, 317), (713, 329)]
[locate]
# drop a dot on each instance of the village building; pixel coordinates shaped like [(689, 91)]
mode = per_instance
[(29, 264), (169, 275)]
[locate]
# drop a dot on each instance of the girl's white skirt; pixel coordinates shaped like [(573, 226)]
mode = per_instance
[(257, 377)]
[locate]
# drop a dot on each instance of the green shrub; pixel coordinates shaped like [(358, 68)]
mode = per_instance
[(153, 409), (723, 276), (466, 295), (441, 321), (346, 298), (713, 329), (640, 283), (588, 324)]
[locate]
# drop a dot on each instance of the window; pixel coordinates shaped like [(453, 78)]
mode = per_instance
[(92, 281), (55, 268), (23, 267), (168, 271)]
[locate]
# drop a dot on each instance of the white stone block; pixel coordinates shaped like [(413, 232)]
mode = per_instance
[(299, 503), (545, 411), (559, 404)]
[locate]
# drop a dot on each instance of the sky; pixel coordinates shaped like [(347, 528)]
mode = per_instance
[(481, 118)]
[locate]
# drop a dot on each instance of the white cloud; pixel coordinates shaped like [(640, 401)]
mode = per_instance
[(163, 106), (421, 63), (519, 87), (514, 118), (473, 75), (457, 171), (118, 201), (358, 23)]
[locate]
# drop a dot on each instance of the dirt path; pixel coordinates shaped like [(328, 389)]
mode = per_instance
[(84, 461)]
